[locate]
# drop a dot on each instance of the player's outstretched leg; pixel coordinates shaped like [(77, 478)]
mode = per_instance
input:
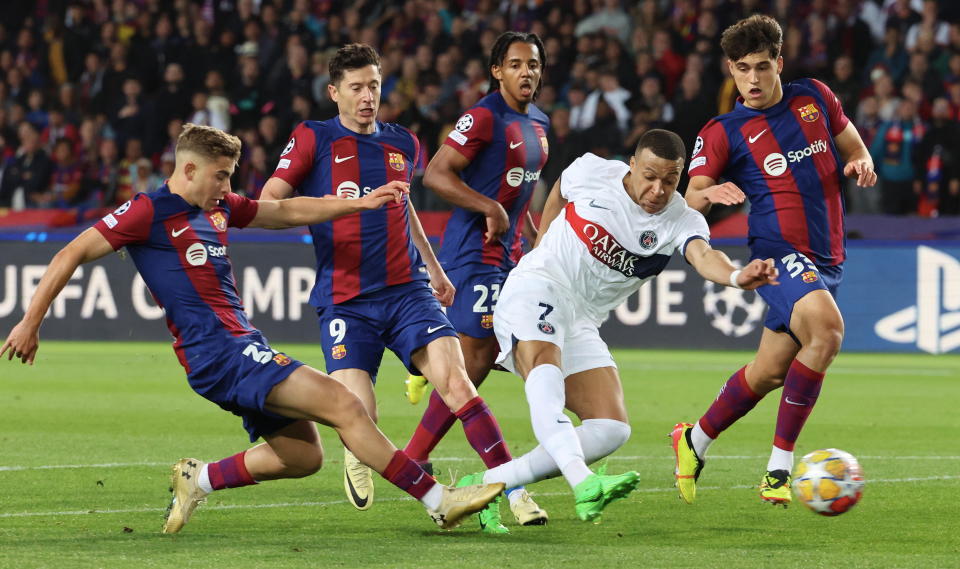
[(688, 464), (357, 481), (416, 386)]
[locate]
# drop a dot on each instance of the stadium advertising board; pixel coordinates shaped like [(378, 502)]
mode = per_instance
[(903, 298)]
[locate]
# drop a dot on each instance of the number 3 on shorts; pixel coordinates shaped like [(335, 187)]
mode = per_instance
[(794, 262), (338, 329)]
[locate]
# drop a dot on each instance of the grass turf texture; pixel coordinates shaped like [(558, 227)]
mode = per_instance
[(89, 434)]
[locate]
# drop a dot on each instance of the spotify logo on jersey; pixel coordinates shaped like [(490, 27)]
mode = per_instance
[(775, 164)]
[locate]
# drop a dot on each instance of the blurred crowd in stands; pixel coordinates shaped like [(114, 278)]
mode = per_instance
[(94, 92)]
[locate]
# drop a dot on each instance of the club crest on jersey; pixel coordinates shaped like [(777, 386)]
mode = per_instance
[(288, 147), (282, 359), (219, 221), (809, 113), (486, 321), (396, 161), (810, 277), (544, 145), (648, 239), (465, 123), (122, 209), (338, 352), (546, 327)]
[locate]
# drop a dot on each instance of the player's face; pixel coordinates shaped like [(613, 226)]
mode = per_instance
[(519, 75), (209, 180), (652, 180), (357, 96), (758, 79)]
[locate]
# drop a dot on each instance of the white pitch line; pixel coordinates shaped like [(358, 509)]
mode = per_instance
[(337, 502), (20, 468), (843, 370)]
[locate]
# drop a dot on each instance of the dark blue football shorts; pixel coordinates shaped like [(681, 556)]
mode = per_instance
[(478, 287), (401, 317)]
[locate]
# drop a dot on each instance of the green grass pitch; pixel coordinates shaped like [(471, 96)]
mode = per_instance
[(88, 435)]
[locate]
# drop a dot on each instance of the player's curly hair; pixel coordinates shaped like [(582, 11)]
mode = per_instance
[(207, 141), (352, 56), (757, 33), (663, 143), (499, 51)]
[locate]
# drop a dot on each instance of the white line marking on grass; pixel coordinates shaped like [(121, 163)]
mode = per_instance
[(833, 370), (337, 502), (20, 468)]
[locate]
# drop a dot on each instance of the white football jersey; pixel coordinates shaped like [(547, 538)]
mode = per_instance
[(603, 246)]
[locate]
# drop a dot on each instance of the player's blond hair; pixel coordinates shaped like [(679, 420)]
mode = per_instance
[(209, 142)]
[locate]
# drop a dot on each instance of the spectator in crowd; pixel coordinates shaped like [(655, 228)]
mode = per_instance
[(66, 179), (26, 180), (937, 166), (893, 150)]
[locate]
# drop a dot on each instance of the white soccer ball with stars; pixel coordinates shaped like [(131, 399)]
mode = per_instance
[(828, 481)]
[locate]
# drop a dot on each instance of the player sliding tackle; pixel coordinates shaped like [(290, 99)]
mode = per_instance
[(177, 237), (607, 228)]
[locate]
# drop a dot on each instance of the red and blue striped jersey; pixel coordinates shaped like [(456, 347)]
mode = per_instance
[(785, 159), (362, 252), (507, 150), (181, 253)]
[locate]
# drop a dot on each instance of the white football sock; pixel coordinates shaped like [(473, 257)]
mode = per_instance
[(701, 441), (780, 460), (203, 479), (433, 497), (553, 429), (598, 438)]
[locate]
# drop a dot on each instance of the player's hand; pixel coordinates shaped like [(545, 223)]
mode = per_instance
[(757, 273), (443, 289), (863, 169), (726, 193), (497, 222), (23, 342), (390, 192)]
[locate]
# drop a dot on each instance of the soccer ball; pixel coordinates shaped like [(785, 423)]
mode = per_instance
[(828, 481)]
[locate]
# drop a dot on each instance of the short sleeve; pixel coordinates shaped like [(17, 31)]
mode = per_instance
[(692, 226), (710, 152), (242, 210), (838, 120), (569, 178), (472, 133), (298, 156), (128, 224)]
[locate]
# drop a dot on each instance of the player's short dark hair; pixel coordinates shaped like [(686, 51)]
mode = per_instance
[(757, 33), (349, 57), (208, 141), (663, 143), (499, 51)]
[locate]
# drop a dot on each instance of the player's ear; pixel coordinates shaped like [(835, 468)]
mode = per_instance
[(332, 92), (497, 72), (779, 64), (190, 169)]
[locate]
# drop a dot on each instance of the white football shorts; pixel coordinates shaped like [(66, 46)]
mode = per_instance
[(530, 308)]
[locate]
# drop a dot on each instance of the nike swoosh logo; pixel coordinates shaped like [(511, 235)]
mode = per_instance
[(338, 160), (564, 420), (417, 481), (433, 329), (594, 204), (177, 232), (360, 502), (515, 144), (489, 448), (787, 399), (754, 138)]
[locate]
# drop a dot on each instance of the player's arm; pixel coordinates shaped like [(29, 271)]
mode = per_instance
[(856, 157), (529, 228), (703, 192), (294, 212), (443, 177), (443, 289), (276, 189), (714, 265), (24, 339), (551, 209)]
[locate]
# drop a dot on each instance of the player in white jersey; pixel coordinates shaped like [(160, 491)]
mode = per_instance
[(607, 228)]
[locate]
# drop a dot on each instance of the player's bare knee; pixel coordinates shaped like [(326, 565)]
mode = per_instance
[(303, 464), (825, 344)]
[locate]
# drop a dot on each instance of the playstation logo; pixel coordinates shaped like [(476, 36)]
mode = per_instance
[(933, 323)]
